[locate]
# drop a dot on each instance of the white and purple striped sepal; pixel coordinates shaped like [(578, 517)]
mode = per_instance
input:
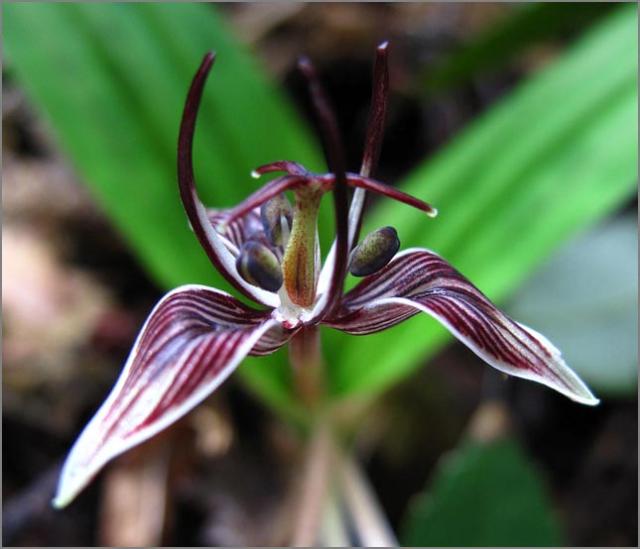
[(420, 280), (190, 343)]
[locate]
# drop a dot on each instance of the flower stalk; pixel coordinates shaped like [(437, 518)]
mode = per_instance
[(307, 366)]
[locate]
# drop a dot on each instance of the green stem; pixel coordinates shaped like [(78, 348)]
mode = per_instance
[(308, 367)]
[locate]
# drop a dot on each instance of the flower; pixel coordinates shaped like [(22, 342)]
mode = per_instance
[(268, 250)]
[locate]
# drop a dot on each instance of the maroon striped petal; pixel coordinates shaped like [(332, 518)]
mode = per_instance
[(373, 143), (193, 339), (419, 280), (235, 232)]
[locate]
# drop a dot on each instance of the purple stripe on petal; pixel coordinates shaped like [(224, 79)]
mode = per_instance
[(419, 280), (193, 339), (237, 231)]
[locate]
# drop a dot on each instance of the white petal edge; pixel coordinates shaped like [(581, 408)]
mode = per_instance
[(580, 393), (261, 296), (355, 211), (74, 478)]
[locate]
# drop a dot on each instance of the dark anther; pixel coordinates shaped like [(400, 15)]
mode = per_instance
[(274, 214), (374, 252), (259, 266)]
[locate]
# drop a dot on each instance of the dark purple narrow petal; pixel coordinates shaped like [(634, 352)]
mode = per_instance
[(196, 212), (264, 194), (373, 142), (335, 159), (419, 280), (378, 187), (377, 112), (373, 139), (193, 339)]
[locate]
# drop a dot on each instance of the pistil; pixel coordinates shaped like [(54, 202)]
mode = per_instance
[(299, 263)]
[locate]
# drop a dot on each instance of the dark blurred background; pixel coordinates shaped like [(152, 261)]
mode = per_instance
[(74, 296)]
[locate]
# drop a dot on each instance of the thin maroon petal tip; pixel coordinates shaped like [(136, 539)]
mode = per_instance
[(264, 194), (336, 162), (355, 180)]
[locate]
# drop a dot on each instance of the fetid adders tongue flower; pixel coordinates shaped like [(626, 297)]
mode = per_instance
[(268, 250)]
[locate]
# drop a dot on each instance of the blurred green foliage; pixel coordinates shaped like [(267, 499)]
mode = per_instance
[(483, 495), (555, 156), (595, 277), (526, 25)]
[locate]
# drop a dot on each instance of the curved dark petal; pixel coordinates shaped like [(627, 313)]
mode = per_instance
[(359, 182), (215, 249), (377, 111), (419, 280), (193, 339), (373, 140), (264, 194), (373, 143)]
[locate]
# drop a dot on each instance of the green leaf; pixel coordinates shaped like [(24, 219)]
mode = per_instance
[(525, 26), (111, 79), (587, 297), (483, 495), (551, 159)]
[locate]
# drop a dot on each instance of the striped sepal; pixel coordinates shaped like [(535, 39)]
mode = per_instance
[(193, 339), (419, 280)]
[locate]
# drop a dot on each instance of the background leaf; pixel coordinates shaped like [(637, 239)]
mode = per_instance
[(111, 79), (483, 495), (555, 156), (587, 296), (525, 26)]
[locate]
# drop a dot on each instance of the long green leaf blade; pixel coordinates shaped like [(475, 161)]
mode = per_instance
[(111, 79)]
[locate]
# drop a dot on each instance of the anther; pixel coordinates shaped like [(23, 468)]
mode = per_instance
[(259, 266), (374, 252), (274, 213)]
